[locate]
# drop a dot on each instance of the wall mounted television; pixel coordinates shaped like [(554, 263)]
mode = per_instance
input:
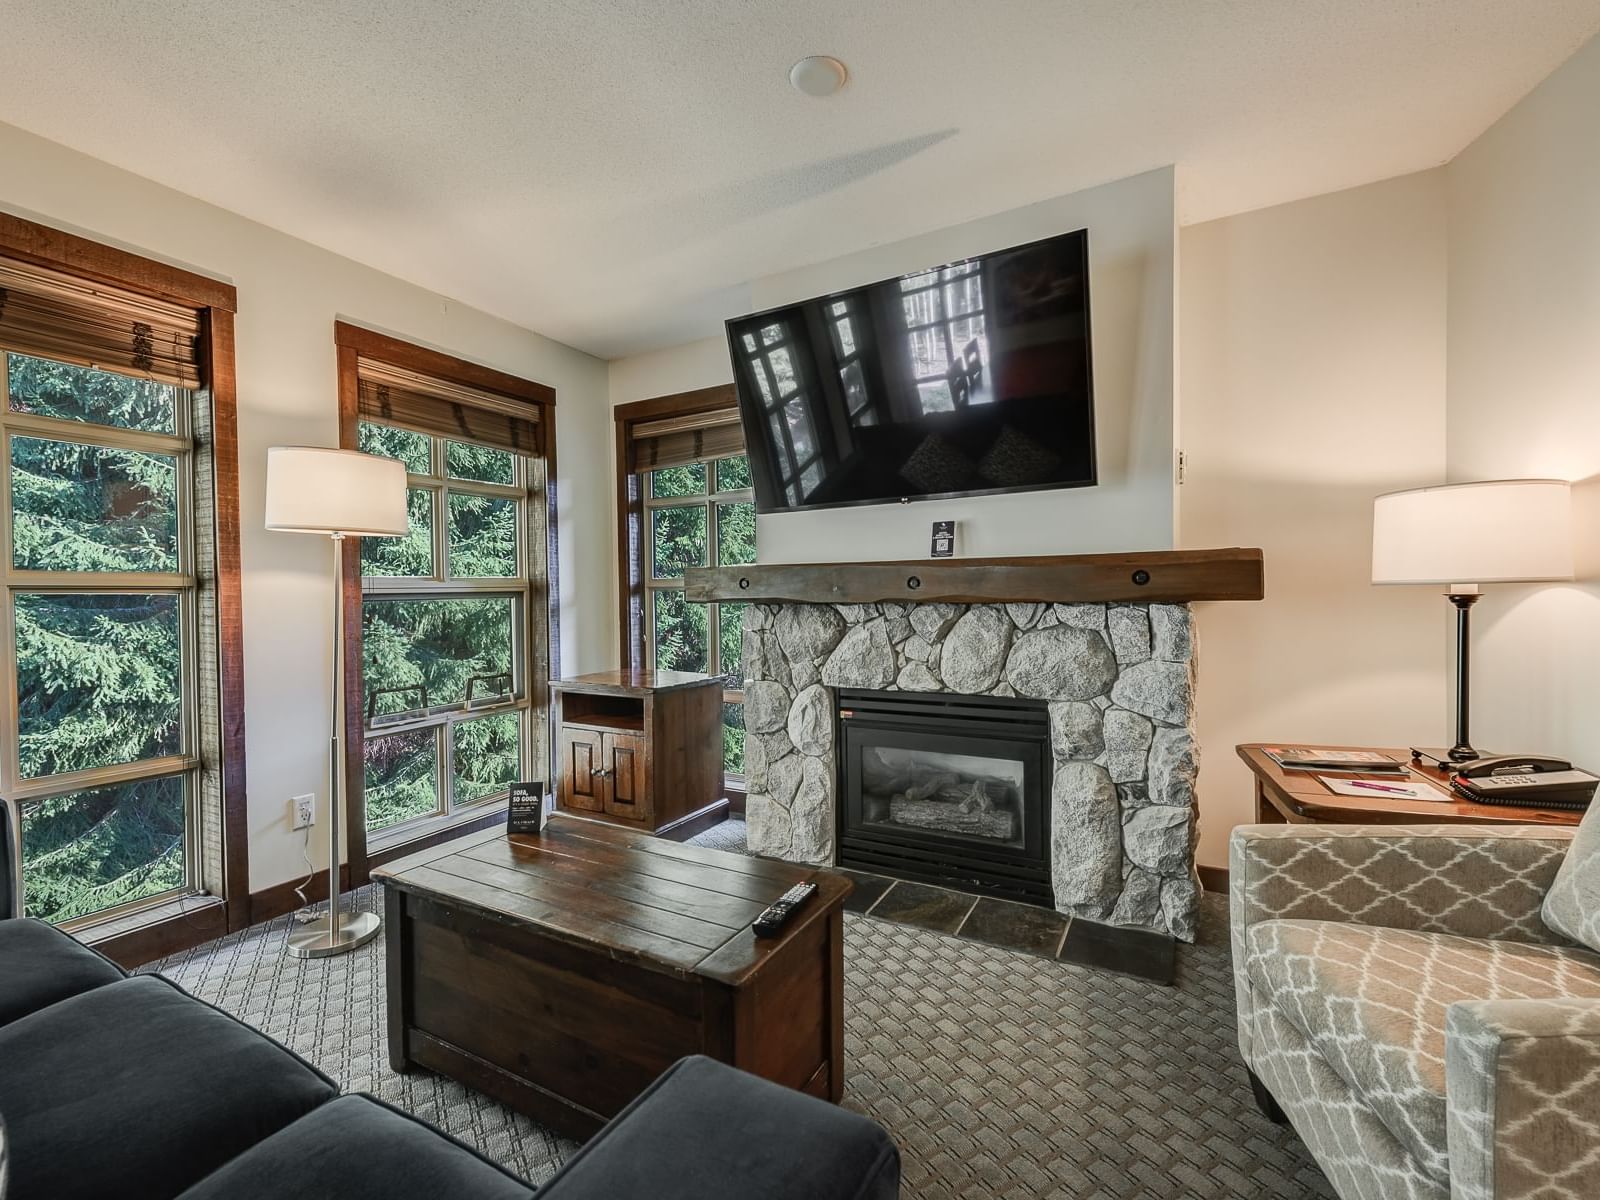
[(966, 379)]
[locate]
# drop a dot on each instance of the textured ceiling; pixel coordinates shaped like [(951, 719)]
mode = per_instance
[(614, 172)]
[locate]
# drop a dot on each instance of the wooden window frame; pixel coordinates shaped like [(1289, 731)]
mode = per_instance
[(633, 582), (712, 499), (157, 932), (353, 343), (441, 487), (181, 584)]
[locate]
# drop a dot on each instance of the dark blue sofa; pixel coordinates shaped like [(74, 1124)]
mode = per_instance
[(127, 1086)]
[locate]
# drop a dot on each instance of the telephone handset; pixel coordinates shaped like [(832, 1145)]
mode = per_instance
[(1511, 764), (1527, 779)]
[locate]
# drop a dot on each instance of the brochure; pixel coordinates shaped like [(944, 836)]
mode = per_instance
[(1383, 789)]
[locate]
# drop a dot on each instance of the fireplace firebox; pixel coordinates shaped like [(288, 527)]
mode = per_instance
[(946, 788)]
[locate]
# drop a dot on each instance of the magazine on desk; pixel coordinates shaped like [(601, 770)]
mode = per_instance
[(1292, 758)]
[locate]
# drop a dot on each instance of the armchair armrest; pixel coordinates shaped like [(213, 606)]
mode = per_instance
[(1522, 1080)]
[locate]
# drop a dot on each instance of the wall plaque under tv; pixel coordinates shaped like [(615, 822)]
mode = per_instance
[(963, 379)]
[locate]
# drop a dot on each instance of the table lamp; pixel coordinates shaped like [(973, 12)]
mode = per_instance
[(338, 494), (1466, 534)]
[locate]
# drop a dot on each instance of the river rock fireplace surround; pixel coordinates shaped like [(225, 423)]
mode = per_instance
[(1114, 674)]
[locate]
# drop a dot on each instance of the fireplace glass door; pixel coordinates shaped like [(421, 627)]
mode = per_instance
[(946, 788)]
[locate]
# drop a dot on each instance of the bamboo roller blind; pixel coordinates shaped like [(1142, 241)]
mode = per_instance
[(52, 315), (678, 441), (427, 404)]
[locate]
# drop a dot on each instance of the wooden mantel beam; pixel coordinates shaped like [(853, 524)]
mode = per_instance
[(1154, 577)]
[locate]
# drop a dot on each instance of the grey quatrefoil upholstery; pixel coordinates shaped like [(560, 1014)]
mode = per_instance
[(1572, 908), (1424, 1030)]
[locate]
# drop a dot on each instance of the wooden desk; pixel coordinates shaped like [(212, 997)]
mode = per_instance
[(561, 972), (1298, 797)]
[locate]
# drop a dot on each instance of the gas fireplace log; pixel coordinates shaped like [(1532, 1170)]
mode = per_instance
[(917, 781), (934, 814)]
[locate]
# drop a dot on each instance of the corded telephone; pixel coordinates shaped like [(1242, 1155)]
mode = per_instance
[(1531, 780)]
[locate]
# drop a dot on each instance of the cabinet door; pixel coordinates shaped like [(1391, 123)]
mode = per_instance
[(583, 787), (629, 797)]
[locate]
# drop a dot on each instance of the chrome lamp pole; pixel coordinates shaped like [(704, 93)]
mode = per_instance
[(339, 494)]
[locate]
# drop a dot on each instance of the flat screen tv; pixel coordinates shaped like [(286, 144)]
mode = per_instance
[(964, 379)]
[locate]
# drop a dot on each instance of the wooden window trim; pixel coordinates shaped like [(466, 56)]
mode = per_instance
[(216, 302), (370, 344), (631, 536), (630, 504), (48, 247), (352, 343)]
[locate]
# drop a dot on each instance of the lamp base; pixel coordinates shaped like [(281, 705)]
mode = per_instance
[(316, 940), (1441, 758)]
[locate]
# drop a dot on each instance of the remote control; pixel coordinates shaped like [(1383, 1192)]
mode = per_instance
[(771, 922)]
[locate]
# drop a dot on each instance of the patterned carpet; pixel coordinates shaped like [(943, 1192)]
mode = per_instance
[(999, 1074)]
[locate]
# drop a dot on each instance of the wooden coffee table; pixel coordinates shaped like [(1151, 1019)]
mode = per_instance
[(561, 973)]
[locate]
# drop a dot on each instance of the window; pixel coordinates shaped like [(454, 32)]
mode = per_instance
[(697, 515), (445, 623), (121, 656), (98, 636)]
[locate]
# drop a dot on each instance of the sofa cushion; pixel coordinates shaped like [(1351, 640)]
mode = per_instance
[(1372, 1002), (137, 1090), (728, 1133), (354, 1148), (43, 965), (1572, 905)]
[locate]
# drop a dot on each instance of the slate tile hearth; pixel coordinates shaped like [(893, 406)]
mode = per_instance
[(869, 889), (935, 909), (1131, 951), (1012, 926)]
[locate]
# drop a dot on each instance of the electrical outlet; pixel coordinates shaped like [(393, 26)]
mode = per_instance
[(302, 811)]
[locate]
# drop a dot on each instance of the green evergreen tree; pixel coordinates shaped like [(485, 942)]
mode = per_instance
[(432, 648), (98, 674)]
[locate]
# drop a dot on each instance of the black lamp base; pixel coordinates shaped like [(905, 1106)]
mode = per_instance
[(1442, 759)]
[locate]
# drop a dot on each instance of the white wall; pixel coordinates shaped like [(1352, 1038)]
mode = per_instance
[(682, 368), (1524, 380), (1312, 379), (1132, 237), (290, 292)]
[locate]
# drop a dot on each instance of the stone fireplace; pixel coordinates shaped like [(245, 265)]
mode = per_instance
[(1115, 682)]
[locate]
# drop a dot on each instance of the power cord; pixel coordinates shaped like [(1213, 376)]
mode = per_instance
[(304, 914)]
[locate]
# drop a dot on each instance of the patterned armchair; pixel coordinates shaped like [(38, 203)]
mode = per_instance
[(1403, 1005)]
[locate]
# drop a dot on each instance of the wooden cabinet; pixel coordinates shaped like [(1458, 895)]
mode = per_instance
[(582, 783), (627, 782), (641, 749)]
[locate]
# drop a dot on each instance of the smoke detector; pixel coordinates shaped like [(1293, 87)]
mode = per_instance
[(819, 75)]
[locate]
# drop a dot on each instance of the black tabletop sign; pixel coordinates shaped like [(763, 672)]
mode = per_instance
[(526, 811), (944, 539)]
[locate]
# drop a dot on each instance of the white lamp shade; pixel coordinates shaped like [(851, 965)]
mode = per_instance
[(1495, 532), (313, 490)]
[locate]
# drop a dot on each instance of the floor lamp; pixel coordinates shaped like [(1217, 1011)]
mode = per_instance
[(338, 494), (1466, 534)]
